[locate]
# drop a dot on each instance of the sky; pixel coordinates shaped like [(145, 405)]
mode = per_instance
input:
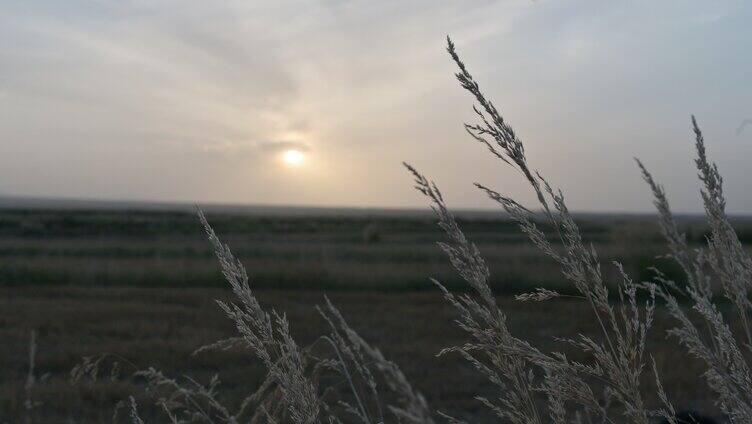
[(200, 101)]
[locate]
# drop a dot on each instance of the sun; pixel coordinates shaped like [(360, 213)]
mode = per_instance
[(293, 157)]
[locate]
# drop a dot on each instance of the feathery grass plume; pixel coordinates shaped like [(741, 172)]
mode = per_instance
[(352, 349), (290, 392), (704, 331), (503, 359), (355, 360), (91, 367), (293, 390), (182, 402), (267, 334), (611, 383), (619, 360), (539, 295), (133, 411), (193, 402), (31, 379)]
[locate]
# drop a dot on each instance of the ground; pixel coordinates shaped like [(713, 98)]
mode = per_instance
[(142, 286)]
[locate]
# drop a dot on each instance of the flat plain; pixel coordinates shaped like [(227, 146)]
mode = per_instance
[(142, 285)]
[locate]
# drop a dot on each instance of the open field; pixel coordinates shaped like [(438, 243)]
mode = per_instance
[(348, 252), (161, 327), (142, 285)]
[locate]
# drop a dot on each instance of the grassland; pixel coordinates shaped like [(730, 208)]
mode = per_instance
[(160, 249), (161, 327), (142, 284)]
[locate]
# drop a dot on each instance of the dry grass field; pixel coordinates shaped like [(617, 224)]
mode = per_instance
[(142, 286), (157, 249), (162, 326)]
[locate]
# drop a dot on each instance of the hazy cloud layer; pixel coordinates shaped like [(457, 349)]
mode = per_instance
[(177, 100)]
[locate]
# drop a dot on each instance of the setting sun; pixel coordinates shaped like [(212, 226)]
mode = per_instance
[(293, 157)]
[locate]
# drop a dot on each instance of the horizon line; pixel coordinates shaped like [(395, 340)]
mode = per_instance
[(9, 201)]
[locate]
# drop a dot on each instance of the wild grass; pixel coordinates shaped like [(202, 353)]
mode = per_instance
[(599, 376), (162, 327)]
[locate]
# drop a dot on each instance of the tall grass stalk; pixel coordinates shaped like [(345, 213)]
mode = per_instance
[(610, 384), (722, 265)]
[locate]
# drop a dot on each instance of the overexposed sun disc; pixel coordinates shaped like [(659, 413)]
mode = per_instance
[(293, 157)]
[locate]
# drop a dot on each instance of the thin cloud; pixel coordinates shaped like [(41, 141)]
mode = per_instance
[(281, 146), (107, 94), (253, 148)]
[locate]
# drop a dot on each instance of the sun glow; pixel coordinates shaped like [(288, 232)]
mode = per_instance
[(293, 157)]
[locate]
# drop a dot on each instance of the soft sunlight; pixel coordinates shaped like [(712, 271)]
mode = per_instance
[(293, 157)]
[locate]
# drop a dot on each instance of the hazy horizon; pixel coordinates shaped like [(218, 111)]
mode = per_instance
[(287, 209), (196, 102)]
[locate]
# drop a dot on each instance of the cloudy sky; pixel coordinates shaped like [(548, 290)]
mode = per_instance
[(198, 101)]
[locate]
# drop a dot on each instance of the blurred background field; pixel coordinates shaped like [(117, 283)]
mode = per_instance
[(308, 249), (141, 284)]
